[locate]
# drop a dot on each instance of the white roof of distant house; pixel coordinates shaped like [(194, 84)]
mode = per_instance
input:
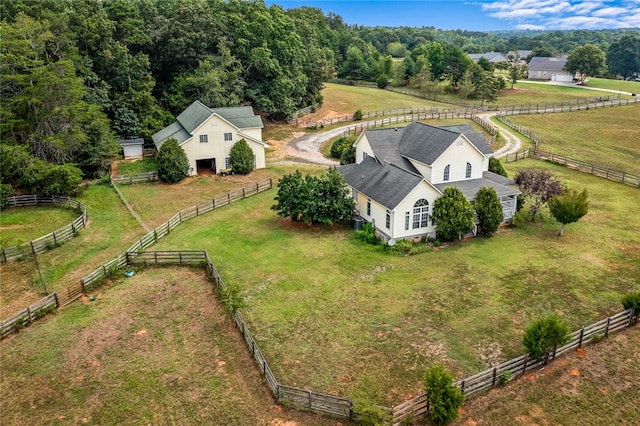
[(492, 57)]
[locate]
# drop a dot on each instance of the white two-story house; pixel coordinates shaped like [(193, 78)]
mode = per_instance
[(207, 134), (399, 173)]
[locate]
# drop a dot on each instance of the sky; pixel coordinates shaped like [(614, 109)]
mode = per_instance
[(482, 15)]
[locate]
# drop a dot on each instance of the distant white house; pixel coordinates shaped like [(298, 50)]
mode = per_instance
[(399, 173), (493, 57), (518, 56), (207, 134), (550, 69)]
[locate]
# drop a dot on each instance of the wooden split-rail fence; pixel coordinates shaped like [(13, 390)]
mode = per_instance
[(109, 269), (51, 240), (594, 169), (135, 178)]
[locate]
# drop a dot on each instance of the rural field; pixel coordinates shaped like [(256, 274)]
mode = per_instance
[(21, 224), (380, 319)]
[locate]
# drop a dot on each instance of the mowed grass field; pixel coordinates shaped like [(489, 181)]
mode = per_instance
[(157, 348), (608, 136), (384, 318), (22, 224)]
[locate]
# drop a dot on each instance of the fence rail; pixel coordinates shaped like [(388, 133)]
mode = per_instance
[(518, 128), (51, 240), (94, 278), (572, 163), (135, 178), (27, 315), (519, 366)]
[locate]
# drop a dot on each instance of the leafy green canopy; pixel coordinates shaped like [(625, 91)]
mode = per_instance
[(443, 396), (172, 161), (569, 206), (489, 210), (312, 199), (241, 157), (453, 214), (544, 335)]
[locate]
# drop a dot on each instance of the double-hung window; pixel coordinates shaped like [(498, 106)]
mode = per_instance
[(204, 138), (228, 137)]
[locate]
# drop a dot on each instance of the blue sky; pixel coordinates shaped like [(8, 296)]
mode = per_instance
[(482, 15)]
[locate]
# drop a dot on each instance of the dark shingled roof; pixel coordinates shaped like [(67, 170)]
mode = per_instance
[(385, 143), (425, 143), (539, 63), (385, 183), (137, 141), (196, 113), (476, 138)]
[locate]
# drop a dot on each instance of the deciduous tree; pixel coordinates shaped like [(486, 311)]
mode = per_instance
[(569, 206), (588, 60), (623, 57), (538, 186)]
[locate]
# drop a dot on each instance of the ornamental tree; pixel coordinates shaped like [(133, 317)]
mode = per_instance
[(587, 60), (489, 210), (173, 164), (569, 206), (241, 157), (496, 167), (453, 214), (538, 186), (545, 334), (444, 397)]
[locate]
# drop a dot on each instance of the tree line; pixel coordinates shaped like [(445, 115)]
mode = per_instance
[(76, 75)]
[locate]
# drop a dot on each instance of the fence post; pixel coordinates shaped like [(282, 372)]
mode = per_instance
[(126, 254), (180, 216), (495, 372), (581, 335), (55, 296), (606, 332), (197, 211), (4, 256), (257, 187), (242, 192), (32, 249), (229, 197), (310, 404), (213, 203), (270, 183), (524, 367)]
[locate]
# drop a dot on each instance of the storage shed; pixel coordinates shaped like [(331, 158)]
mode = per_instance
[(131, 148)]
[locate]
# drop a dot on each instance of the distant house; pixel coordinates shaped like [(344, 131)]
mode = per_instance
[(132, 148), (207, 134), (519, 55), (399, 173), (493, 57), (550, 69)]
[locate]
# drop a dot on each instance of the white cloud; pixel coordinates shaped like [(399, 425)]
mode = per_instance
[(567, 14)]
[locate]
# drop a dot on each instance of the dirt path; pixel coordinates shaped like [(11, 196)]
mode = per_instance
[(513, 141)]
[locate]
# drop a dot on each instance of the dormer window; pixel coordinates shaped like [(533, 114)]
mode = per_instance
[(445, 177), (468, 174)]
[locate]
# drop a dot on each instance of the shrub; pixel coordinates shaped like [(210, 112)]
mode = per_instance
[(382, 81), (545, 334), (5, 193), (489, 210), (453, 214), (443, 396), (632, 300), (367, 235), (357, 116), (365, 407), (504, 378), (172, 161), (232, 298), (241, 157), (62, 179), (495, 166)]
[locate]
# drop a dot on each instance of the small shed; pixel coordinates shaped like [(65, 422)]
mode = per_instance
[(131, 148)]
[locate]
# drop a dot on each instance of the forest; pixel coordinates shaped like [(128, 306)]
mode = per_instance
[(76, 75)]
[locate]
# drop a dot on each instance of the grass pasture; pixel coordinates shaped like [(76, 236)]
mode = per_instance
[(22, 224), (157, 348), (609, 84), (592, 387), (605, 136), (382, 318), (132, 167)]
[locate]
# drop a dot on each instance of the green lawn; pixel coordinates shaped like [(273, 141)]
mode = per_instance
[(606, 136), (624, 86), (132, 167), (387, 317), (23, 224)]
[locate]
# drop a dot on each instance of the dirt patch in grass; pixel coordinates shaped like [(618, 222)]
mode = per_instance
[(157, 348)]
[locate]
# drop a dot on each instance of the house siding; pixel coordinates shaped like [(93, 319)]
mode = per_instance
[(216, 147), (362, 146), (456, 157)]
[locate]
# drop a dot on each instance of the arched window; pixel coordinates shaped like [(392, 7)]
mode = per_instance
[(468, 175), (446, 172), (421, 214)]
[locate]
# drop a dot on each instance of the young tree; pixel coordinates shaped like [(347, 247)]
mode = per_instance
[(516, 72), (453, 214), (544, 335), (569, 206), (495, 166), (173, 164), (241, 157), (587, 60), (489, 210), (538, 186), (382, 81), (444, 397)]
